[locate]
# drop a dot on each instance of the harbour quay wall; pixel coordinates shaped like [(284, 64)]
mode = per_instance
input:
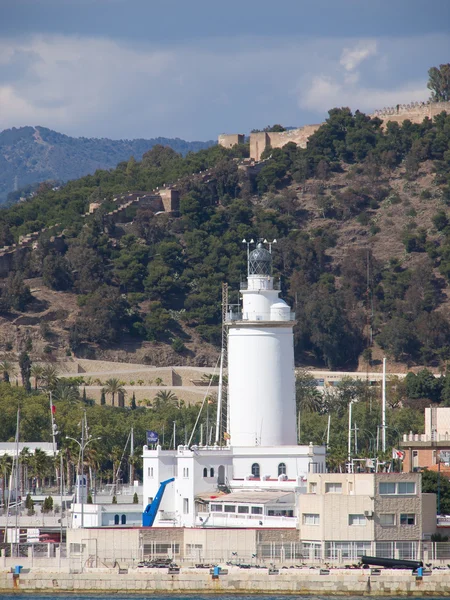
[(287, 581)]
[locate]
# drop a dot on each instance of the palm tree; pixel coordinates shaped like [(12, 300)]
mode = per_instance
[(5, 470), (113, 386), (165, 398), (24, 462), (40, 464), (65, 392), (36, 372), (8, 368), (49, 377)]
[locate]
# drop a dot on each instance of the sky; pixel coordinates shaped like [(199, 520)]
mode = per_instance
[(148, 68)]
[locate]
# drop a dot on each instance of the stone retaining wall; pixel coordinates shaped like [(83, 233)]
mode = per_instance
[(287, 581)]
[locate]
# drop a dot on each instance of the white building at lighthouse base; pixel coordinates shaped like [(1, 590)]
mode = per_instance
[(208, 481)]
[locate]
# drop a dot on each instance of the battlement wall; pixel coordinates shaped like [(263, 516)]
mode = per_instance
[(277, 139), (414, 112)]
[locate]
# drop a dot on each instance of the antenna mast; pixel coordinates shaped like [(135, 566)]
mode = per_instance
[(222, 409)]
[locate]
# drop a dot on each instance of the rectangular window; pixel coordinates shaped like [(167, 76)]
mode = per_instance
[(333, 488), (150, 472), (230, 508), (387, 520), (407, 519), (243, 510), (216, 508), (399, 488), (313, 487), (186, 473), (311, 519), (387, 488), (257, 510), (406, 487), (185, 506), (356, 520)]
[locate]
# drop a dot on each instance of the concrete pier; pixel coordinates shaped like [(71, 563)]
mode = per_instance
[(249, 581)]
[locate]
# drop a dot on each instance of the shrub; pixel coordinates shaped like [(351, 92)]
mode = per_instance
[(178, 345)]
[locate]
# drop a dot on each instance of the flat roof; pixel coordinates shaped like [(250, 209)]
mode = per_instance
[(257, 497)]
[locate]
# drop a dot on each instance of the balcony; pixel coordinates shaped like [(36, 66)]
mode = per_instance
[(240, 520), (425, 438), (257, 317), (276, 285)]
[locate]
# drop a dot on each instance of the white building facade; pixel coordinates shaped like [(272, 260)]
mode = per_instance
[(261, 452)]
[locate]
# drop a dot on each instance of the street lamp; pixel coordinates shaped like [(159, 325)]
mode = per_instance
[(82, 446)]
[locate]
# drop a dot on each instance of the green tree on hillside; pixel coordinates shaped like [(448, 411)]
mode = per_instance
[(439, 83)]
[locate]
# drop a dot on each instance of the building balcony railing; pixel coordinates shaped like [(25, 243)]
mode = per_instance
[(242, 520), (424, 437), (276, 285), (252, 317)]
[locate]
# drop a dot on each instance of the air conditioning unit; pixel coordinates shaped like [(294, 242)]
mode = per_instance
[(368, 513)]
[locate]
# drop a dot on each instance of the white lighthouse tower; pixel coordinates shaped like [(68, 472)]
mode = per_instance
[(253, 475), (261, 361)]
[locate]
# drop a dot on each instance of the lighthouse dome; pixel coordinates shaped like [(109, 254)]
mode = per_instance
[(260, 261)]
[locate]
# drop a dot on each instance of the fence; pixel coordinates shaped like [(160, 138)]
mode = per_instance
[(77, 557)]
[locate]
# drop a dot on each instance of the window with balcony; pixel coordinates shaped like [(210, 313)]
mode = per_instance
[(311, 519), (407, 519)]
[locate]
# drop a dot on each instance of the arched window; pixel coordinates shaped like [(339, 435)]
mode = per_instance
[(205, 472), (255, 470), (124, 519), (211, 472), (116, 519), (282, 469)]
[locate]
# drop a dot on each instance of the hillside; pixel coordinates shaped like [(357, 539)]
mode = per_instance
[(36, 154), (362, 222)]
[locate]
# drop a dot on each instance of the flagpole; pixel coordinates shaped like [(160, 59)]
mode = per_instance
[(52, 412)]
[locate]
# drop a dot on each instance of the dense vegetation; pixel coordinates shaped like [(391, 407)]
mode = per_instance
[(103, 456), (167, 270), (36, 154)]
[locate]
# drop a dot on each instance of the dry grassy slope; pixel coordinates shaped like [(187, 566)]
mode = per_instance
[(58, 311), (390, 218)]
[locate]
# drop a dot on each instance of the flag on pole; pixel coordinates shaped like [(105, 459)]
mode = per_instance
[(398, 454), (53, 409), (152, 438)]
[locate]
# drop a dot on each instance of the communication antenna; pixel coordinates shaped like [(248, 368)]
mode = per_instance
[(244, 241)]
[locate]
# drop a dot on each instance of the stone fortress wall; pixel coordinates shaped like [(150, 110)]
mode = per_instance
[(164, 199), (415, 112)]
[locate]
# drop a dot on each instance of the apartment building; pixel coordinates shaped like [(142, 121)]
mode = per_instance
[(343, 516)]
